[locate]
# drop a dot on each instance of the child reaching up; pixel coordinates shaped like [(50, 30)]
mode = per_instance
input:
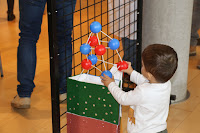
[(150, 99)]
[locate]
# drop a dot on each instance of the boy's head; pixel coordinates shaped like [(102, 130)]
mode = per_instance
[(160, 61)]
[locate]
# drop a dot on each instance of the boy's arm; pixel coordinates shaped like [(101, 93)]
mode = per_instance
[(134, 76), (137, 78), (125, 98)]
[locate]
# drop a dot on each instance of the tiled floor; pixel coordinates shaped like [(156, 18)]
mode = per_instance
[(183, 117)]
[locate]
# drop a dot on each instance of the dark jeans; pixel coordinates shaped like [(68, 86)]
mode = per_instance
[(31, 14), (195, 23), (129, 47)]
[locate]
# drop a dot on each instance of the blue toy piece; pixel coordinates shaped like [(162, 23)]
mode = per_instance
[(106, 72), (95, 27), (113, 44), (85, 48), (93, 59)]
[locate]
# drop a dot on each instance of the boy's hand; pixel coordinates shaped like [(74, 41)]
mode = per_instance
[(129, 69), (106, 80)]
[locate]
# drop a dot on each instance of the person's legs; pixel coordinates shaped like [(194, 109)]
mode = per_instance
[(31, 13), (129, 47), (195, 27), (64, 30), (10, 4)]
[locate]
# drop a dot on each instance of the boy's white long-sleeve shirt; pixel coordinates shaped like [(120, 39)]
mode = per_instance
[(150, 102)]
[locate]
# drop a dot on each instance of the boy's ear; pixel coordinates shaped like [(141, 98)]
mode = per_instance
[(150, 76)]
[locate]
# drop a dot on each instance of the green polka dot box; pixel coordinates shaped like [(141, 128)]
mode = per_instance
[(90, 106)]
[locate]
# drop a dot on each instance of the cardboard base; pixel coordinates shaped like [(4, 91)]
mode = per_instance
[(80, 124)]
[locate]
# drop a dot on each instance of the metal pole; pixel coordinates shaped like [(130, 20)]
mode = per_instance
[(139, 34), (54, 67)]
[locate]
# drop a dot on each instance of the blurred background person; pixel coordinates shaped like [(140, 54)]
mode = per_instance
[(195, 28), (31, 15), (10, 4), (123, 23)]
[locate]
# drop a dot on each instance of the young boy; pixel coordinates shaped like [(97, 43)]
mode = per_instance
[(150, 99)]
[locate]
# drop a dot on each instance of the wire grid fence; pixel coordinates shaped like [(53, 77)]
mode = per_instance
[(69, 22)]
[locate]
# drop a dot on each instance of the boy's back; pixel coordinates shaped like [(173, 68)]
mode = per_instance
[(150, 99), (151, 111)]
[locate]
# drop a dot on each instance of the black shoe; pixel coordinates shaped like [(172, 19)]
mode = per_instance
[(11, 17), (172, 98)]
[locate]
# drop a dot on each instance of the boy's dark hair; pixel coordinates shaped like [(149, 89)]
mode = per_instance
[(161, 61)]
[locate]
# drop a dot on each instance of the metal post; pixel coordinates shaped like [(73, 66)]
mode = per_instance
[(139, 34), (54, 67)]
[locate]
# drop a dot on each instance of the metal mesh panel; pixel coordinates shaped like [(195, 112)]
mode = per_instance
[(69, 22)]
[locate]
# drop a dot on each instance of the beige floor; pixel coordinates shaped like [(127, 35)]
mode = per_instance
[(183, 117)]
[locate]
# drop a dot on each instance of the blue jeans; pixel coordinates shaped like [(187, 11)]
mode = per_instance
[(129, 47), (31, 13), (195, 23)]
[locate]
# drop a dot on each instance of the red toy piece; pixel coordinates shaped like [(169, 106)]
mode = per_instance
[(100, 50), (86, 64), (93, 41), (122, 65)]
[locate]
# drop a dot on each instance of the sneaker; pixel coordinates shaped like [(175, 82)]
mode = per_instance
[(192, 51), (21, 103), (63, 97)]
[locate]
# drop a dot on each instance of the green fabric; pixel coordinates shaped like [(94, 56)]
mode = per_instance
[(91, 100)]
